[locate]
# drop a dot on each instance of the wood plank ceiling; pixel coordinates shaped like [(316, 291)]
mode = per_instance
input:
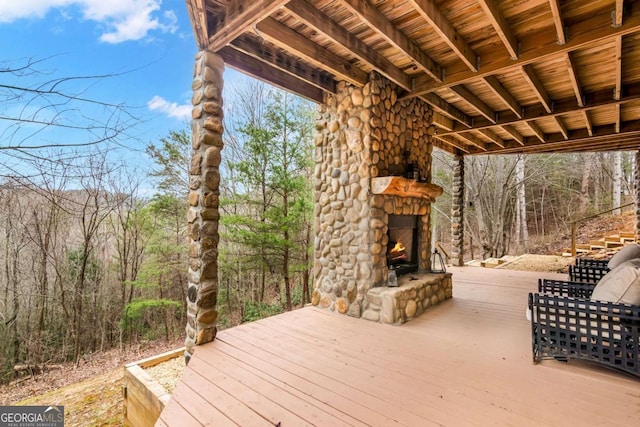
[(506, 76)]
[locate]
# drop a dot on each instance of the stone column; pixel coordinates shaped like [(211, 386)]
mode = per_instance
[(637, 194), (203, 215), (457, 213)]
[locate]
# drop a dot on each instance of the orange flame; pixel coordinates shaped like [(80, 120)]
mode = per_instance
[(399, 247)]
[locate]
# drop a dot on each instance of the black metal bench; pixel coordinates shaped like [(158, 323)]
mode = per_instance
[(565, 327), (566, 288), (590, 262), (586, 273)]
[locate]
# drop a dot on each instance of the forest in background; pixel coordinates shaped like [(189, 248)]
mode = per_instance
[(91, 259)]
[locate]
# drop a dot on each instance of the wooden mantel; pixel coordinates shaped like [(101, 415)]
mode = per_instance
[(405, 187)]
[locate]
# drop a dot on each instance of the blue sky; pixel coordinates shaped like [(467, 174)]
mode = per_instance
[(149, 43)]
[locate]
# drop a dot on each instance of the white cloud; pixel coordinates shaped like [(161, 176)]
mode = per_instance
[(171, 109), (121, 20)]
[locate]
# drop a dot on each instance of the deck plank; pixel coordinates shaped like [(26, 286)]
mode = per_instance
[(301, 387), (465, 362)]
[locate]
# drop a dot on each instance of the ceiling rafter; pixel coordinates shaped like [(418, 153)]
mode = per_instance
[(453, 143), (501, 92), (239, 16), (291, 41), (618, 13), (473, 140), (575, 81), (536, 130), (617, 94), (323, 24), (534, 48), (495, 138), (269, 54), (430, 12), (492, 10), (265, 72), (447, 109), (593, 100), (376, 20), (561, 125), (587, 120), (442, 121), (536, 85), (514, 133), (558, 21), (604, 137), (475, 102)]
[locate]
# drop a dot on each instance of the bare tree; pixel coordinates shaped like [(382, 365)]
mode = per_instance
[(42, 110)]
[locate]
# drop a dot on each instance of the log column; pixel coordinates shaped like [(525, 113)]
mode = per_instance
[(637, 194), (203, 215), (457, 213)]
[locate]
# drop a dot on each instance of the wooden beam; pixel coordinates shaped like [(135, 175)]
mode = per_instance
[(588, 123), (563, 128), (447, 109), (618, 118), (475, 141), (369, 14), (534, 82), (536, 130), (493, 137), (514, 133), (536, 47), (501, 92), (198, 17), (280, 60), (604, 138), (617, 94), (593, 100), (430, 12), (258, 69), (291, 41), (238, 17), (453, 143), (575, 81), (441, 121), (323, 24), (558, 21), (492, 9), (618, 13), (475, 102)]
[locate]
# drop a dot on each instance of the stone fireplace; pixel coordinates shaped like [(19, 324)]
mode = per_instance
[(368, 141)]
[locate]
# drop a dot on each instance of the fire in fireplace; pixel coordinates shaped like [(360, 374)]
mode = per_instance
[(402, 247)]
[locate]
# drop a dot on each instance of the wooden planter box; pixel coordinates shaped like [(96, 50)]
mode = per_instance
[(144, 398)]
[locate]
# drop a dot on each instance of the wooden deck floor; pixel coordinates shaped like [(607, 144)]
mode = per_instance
[(465, 362)]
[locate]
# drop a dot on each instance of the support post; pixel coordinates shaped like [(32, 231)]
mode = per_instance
[(457, 213), (204, 197)]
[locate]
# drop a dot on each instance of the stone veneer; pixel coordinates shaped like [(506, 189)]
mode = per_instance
[(203, 215), (414, 294), (364, 133), (457, 213)]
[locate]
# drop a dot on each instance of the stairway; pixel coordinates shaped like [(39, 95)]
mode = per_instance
[(613, 241)]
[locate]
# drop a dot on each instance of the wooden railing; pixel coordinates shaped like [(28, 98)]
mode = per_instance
[(574, 225)]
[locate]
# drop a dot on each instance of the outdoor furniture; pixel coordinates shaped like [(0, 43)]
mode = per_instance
[(565, 324), (590, 262), (587, 273), (565, 288)]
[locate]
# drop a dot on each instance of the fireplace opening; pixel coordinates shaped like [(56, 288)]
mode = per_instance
[(402, 246)]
